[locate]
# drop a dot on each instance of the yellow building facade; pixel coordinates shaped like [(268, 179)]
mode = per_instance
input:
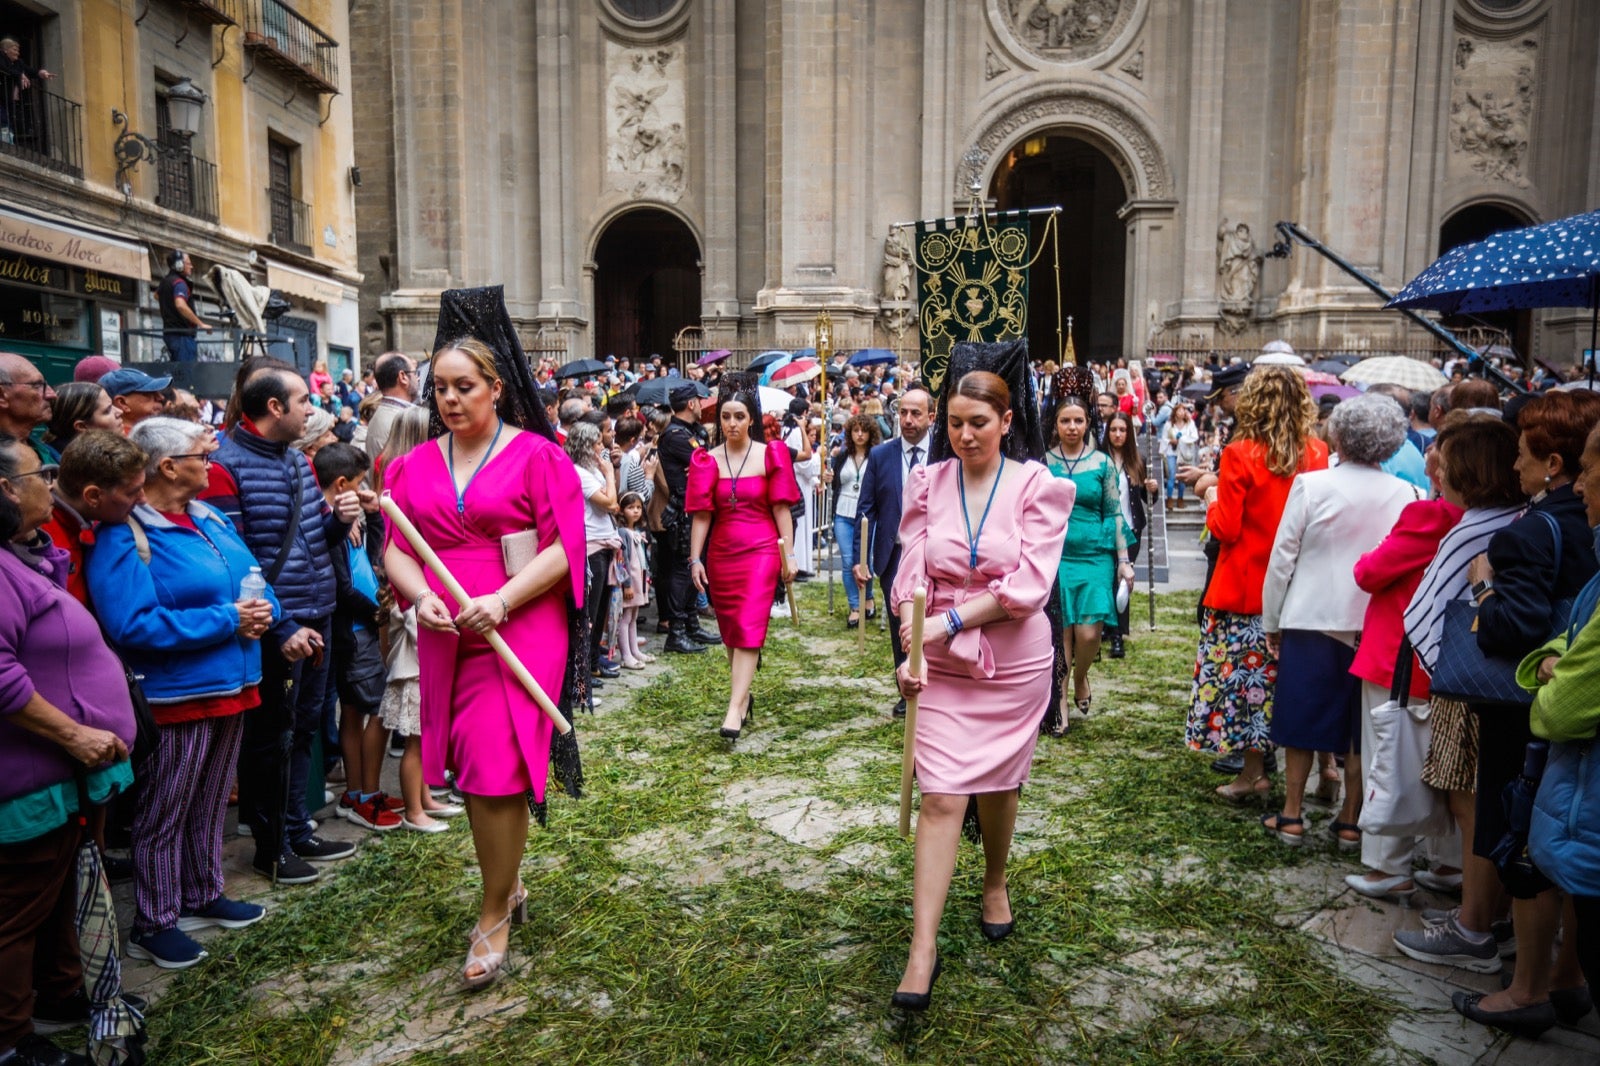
[(108, 168)]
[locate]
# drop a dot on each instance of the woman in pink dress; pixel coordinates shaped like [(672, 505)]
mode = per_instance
[(482, 480), (740, 492), (982, 532)]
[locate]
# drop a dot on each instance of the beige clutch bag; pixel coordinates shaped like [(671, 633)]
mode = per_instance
[(518, 550)]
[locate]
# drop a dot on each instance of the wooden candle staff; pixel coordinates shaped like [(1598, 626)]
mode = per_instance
[(431, 559), (861, 590), (908, 761), (788, 586)]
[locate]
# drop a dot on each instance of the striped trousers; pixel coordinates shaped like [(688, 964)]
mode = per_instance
[(177, 828)]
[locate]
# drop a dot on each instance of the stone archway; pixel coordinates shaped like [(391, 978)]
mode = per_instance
[(1121, 144), (646, 283), (1058, 169)]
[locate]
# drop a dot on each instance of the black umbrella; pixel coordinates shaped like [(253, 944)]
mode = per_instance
[(1198, 391), (1335, 364), (657, 390), (766, 359), (580, 367)]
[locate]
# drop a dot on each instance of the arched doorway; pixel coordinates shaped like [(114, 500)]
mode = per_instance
[(1474, 223), (646, 284), (1056, 168)]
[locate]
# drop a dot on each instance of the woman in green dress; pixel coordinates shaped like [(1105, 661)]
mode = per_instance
[(1096, 549)]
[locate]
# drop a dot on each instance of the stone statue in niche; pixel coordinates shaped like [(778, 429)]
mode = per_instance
[(1066, 29), (1491, 106), (1238, 274), (646, 147), (898, 307)]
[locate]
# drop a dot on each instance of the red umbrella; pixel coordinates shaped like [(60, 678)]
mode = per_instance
[(1317, 377), (796, 372)]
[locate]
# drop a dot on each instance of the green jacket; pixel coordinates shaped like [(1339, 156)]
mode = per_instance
[(1567, 707)]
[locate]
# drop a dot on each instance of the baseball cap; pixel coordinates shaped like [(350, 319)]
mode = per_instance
[(124, 380), (92, 368)]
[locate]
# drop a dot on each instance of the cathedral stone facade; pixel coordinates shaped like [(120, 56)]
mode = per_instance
[(629, 168)]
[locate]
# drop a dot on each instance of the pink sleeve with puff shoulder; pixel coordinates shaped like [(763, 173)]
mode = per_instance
[(913, 570), (1044, 505), (782, 488), (701, 493), (396, 484)]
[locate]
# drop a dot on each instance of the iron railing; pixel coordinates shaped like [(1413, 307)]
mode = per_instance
[(41, 127), (187, 184), (290, 221), (280, 35)]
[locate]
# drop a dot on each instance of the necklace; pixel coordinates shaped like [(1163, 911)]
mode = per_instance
[(972, 541), (461, 493), (1084, 451), (733, 477)]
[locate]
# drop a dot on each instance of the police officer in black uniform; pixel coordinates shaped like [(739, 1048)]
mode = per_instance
[(678, 441)]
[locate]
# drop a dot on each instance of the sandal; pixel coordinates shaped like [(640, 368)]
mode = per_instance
[(1080, 710), (1250, 793), (1275, 825), (854, 621), (1327, 791), (488, 961), (1338, 829)]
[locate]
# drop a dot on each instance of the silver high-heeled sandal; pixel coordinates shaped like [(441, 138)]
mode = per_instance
[(488, 961)]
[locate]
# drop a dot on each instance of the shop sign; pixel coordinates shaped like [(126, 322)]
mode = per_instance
[(25, 270), (44, 318), (71, 246)]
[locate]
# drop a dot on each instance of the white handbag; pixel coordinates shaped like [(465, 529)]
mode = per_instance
[(1397, 802)]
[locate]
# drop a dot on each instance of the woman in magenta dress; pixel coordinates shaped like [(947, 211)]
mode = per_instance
[(740, 492), (464, 491), (982, 532)]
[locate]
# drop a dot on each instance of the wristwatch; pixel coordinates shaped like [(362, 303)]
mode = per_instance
[(1480, 589)]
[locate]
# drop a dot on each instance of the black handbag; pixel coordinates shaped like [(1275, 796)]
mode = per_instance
[(1462, 672)]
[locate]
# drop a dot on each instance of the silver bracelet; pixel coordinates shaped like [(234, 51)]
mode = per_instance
[(504, 605)]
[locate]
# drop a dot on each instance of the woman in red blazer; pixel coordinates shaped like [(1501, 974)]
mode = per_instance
[(1234, 674)]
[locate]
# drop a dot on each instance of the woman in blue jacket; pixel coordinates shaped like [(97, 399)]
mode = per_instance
[(167, 589), (1564, 839)]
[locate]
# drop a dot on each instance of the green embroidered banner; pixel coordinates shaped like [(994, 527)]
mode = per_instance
[(972, 285)]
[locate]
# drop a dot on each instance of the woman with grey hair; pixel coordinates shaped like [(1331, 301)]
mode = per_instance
[(167, 588), (1312, 609), (598, 480), (319, 433)]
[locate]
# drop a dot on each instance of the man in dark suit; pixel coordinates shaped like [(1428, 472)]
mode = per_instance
[(881, 491)]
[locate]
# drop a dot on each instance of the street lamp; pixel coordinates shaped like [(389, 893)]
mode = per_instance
[(184, 103)]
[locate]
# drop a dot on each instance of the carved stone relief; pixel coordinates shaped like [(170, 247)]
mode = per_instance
[(1066, 30), (1151, 179), (1491, 105), (993, 67), (1135, 65), (646, 116)]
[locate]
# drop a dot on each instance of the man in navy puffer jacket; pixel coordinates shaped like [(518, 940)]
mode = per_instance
[(264, 485)]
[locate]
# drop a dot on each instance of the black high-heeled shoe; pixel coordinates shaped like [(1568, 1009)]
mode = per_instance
[(994, 932), (749, 716), (918, 1002)]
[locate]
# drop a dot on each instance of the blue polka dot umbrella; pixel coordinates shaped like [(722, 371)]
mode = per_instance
[(1554, 264)]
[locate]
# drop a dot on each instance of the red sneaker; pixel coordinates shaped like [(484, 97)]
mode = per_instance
[(373, 815)]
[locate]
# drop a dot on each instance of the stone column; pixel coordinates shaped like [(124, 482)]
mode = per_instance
[(559, 254), (719, 291), (1202, 183), (1152, 240)]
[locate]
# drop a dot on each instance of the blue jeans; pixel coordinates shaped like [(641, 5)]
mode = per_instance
[(183, 348), (1173, 493), (847, 533)]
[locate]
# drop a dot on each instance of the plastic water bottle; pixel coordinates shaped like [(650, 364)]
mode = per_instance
[(254, 586)]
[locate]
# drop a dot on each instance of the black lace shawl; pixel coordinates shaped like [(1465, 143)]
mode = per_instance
[(481, 313)]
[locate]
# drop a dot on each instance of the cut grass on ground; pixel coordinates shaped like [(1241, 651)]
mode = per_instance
[(753, 905)]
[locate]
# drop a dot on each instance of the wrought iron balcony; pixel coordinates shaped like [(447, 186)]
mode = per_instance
[(291, 221), (41, 127), (212, 12), (278, 36), (187, 184)]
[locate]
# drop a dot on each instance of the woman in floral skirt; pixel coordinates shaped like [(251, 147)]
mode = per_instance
[(1234, 673)]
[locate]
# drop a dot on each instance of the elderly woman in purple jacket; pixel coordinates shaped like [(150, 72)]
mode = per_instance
[(64, 712)]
